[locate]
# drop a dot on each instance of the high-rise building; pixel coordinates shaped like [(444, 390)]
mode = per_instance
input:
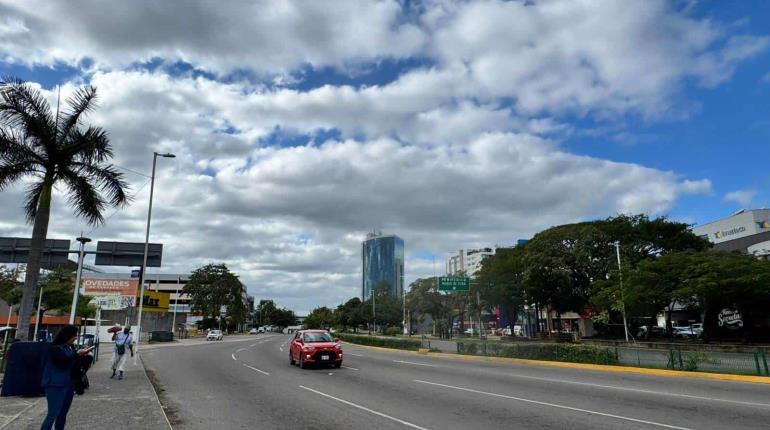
[(467, 260), (383, 261)]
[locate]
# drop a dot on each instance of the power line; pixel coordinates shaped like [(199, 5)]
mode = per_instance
[(131, 170)]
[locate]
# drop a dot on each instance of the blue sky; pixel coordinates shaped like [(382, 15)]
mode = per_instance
[(452, 124)]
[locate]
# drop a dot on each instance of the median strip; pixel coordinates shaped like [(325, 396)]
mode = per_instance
[(553, 405), (363, 408)]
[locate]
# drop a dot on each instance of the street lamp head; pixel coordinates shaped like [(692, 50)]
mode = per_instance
[(166, 155)]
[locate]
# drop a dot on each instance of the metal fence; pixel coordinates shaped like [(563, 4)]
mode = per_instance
[(672, 357)]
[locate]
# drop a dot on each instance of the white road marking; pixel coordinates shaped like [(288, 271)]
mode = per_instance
[(239, 350), (553, 405), (357, 355), (252, 345), (281, 348), (363, 408), (257, 370), (348, 367), (233, 355), (416, 364), (640, 390)]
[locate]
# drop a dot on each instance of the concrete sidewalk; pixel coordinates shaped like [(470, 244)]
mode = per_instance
[(109, 404)]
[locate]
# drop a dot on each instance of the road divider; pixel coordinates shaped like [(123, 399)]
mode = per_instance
[(553, 405), (363, 408)]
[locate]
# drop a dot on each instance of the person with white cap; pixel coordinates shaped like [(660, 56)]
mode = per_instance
[(123, 341)]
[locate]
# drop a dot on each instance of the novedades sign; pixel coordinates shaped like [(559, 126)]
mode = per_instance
[(98, 287)]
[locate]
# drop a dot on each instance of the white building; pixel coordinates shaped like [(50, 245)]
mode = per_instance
[(745, 231), (467, 260)]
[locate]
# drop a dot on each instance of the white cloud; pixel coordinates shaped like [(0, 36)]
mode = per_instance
[(742, 197), (461, 152)]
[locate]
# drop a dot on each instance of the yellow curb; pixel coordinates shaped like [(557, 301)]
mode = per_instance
[(584, 366)]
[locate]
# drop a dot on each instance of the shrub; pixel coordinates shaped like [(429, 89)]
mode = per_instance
[(392, 331), (385, 342), (543, 351)]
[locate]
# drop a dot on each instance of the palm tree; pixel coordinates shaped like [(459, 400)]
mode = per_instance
[(49, 151)]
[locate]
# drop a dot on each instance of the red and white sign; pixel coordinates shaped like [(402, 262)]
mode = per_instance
[(100, 287)]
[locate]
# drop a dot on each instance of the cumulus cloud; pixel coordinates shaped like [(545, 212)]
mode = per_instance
[(742, 197), (282, 182)]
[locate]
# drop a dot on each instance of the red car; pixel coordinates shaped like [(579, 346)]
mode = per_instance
[(315, 346)]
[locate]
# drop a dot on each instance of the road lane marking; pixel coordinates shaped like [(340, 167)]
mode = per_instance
[(256, 370), (363, 408), (554, 405), (416, 364), (348, 367), (640, 390), (357, 355), (252, 345), (239, 350), (233, 355)]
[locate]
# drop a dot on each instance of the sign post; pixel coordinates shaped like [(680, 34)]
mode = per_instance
[(454, 283)]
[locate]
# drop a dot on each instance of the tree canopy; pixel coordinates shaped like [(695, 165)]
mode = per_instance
[(213, 288)]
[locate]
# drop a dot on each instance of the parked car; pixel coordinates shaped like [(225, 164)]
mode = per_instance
[(253, 331), (686, 331), (315, 347), (261, 330), (214, 335)]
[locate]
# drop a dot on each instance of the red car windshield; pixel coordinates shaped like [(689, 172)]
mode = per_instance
[(316, 337)]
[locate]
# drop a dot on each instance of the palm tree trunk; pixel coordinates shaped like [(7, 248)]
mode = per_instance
[(39, 233)]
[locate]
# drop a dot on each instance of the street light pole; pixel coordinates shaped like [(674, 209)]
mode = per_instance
[(622, 295), (146, 245), (76, 291)]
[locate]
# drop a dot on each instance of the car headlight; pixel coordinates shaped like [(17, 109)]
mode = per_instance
[(309, 348), (338, 346)]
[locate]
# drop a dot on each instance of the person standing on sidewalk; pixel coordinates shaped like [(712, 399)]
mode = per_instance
[(57, 376), (123, 341)]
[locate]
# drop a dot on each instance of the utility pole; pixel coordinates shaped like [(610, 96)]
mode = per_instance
[(76, 291), (622, 296)]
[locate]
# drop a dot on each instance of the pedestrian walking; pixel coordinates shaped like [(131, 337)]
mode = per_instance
[(123, 342), (60, 362)]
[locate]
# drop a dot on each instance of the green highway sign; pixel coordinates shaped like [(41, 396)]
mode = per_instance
[(452, 283)]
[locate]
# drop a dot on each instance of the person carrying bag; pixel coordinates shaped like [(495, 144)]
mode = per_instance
[(123, 340)]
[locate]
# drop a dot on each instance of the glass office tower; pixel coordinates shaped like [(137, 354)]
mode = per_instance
[(383, 260)]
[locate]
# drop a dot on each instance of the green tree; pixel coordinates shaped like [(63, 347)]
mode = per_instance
[(388, 309), (50, 149), (265, 310), (320, 318), (10, 288), (214, 287), (351, 314), (283, 317)]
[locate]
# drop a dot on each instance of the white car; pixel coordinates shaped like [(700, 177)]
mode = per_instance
[(214, 335), (253, 331)]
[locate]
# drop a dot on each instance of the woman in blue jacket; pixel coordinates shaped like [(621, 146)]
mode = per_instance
[(57, 376)]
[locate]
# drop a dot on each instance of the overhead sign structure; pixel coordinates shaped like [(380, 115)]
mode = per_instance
[(100, 287), (453, 283), (154, 301), (16, 250), (127, 254)]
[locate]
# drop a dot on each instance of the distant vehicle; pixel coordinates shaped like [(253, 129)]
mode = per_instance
[(214, 335), (253, 331), (655, 331), (261, 330), (315, 347), (686, 331)]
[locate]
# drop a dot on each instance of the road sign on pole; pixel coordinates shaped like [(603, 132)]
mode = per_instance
[(454, 283)]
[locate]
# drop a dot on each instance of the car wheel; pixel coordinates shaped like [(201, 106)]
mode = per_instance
[(337, 365), (291, 359), (302, 364)]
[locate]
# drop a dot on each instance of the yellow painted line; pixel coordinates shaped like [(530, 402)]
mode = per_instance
[(584, 366)]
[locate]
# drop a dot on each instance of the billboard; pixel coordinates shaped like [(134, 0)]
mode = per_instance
[(101, 287), (154, 301)]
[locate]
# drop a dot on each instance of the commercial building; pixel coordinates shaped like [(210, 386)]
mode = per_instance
[(383, 262), (467, 260), (744, 231)]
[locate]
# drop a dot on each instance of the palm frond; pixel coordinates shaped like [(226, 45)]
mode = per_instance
[(83, 196), (23, 107), (80, 103), (108, 179), (14, 148), (32, 198), (89, 146)]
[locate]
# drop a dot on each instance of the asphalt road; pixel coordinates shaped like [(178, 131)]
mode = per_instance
[(249, 384)]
